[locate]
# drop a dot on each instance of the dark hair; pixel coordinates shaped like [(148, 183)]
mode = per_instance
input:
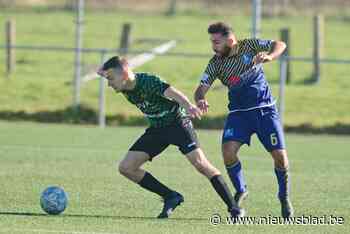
[(113, 62), (220, 27)]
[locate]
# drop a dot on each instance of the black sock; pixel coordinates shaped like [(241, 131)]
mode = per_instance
[(221, 188), (152, 184)]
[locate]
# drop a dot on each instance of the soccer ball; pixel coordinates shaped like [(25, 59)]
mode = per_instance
[(53, 200)]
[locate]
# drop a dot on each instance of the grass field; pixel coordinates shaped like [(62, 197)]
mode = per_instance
[(42, 80), (83, 161)]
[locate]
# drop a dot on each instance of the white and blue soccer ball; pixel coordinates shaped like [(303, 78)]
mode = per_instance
[(53, 200)]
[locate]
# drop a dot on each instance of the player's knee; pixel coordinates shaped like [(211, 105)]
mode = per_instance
[(229, 154), (280, 158), (122, 169), (125, 169)]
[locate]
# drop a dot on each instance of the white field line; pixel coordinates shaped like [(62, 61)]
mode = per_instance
[(26, 230), (140, 59)]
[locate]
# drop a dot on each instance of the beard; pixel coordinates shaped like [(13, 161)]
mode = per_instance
[(225, 51)]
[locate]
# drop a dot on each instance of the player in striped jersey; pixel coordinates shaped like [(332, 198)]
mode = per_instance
[(238, 65), (168, 112)]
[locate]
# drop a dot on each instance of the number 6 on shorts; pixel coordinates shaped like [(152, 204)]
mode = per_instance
[(274, 139)]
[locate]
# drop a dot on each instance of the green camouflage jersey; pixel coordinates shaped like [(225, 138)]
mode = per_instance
[(148, 96)]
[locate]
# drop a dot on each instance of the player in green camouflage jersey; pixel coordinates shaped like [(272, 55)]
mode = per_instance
[(146, 95), (169, 112)]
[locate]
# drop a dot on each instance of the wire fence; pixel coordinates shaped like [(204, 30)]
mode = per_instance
[(101, 53), (104, 51)]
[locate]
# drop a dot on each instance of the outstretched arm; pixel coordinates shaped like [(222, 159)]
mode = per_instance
[(180, 98)]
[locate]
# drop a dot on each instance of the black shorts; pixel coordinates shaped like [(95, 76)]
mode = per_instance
[(155, 140)]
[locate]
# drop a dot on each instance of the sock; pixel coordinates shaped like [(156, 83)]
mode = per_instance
[(236, 175), (221, 188), (283, 183), (152, 184)]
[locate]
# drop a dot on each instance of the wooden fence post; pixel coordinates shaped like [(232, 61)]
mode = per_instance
[(10, 41), (318, 26), (285, 36), (125, 39), (172, 8)]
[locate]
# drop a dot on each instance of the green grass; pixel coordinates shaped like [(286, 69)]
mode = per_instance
[(83, 161), (42, 80)]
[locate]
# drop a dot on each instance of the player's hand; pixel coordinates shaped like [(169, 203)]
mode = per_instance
[(262, 57), (194, 112), (203, 105)]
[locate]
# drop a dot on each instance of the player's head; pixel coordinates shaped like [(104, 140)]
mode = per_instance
[(222, 38), (116, 71)]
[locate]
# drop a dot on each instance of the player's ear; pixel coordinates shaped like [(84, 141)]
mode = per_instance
[(125, 68), (124, 62), (230, 41)]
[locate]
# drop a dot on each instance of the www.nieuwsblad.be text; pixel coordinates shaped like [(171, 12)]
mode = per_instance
[(217, 219)]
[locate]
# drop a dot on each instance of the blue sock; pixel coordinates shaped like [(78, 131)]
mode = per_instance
[(236, 175), (283, 183)]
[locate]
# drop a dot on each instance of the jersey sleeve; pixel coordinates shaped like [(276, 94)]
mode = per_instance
[(155, 85), (260, 45), (210, 73)]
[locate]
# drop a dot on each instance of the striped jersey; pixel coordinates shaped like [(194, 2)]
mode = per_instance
[(248, 88), (148, 96)]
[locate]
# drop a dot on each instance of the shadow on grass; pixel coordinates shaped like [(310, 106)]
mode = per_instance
[(86, 115), (93, 216)]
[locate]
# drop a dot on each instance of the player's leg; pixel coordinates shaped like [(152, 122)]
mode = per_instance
[(184, 136), (270, 133), (282, 173), (203, 166), (236, 133), (145, 148), (130, 167), (281, 164), (234, 170)]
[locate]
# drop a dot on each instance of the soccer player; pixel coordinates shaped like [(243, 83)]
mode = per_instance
[(168, 112), (238, 65)]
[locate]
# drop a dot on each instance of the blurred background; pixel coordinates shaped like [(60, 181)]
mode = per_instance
[(51, 49)]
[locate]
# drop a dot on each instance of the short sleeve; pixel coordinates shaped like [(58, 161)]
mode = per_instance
[(210, 73), (259, 45)]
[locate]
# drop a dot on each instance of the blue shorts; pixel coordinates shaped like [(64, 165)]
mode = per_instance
[(265, 122)]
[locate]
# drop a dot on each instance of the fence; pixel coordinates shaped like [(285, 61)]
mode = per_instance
[(317, 59)]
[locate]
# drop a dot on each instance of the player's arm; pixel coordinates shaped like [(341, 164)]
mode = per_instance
[(206, 81), (277, 49), (268, 50), (180, 98), (199, 97)]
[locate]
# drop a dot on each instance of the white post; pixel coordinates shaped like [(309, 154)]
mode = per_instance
[(102, 98), (78, 46), (256, 18), (283, 77)]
